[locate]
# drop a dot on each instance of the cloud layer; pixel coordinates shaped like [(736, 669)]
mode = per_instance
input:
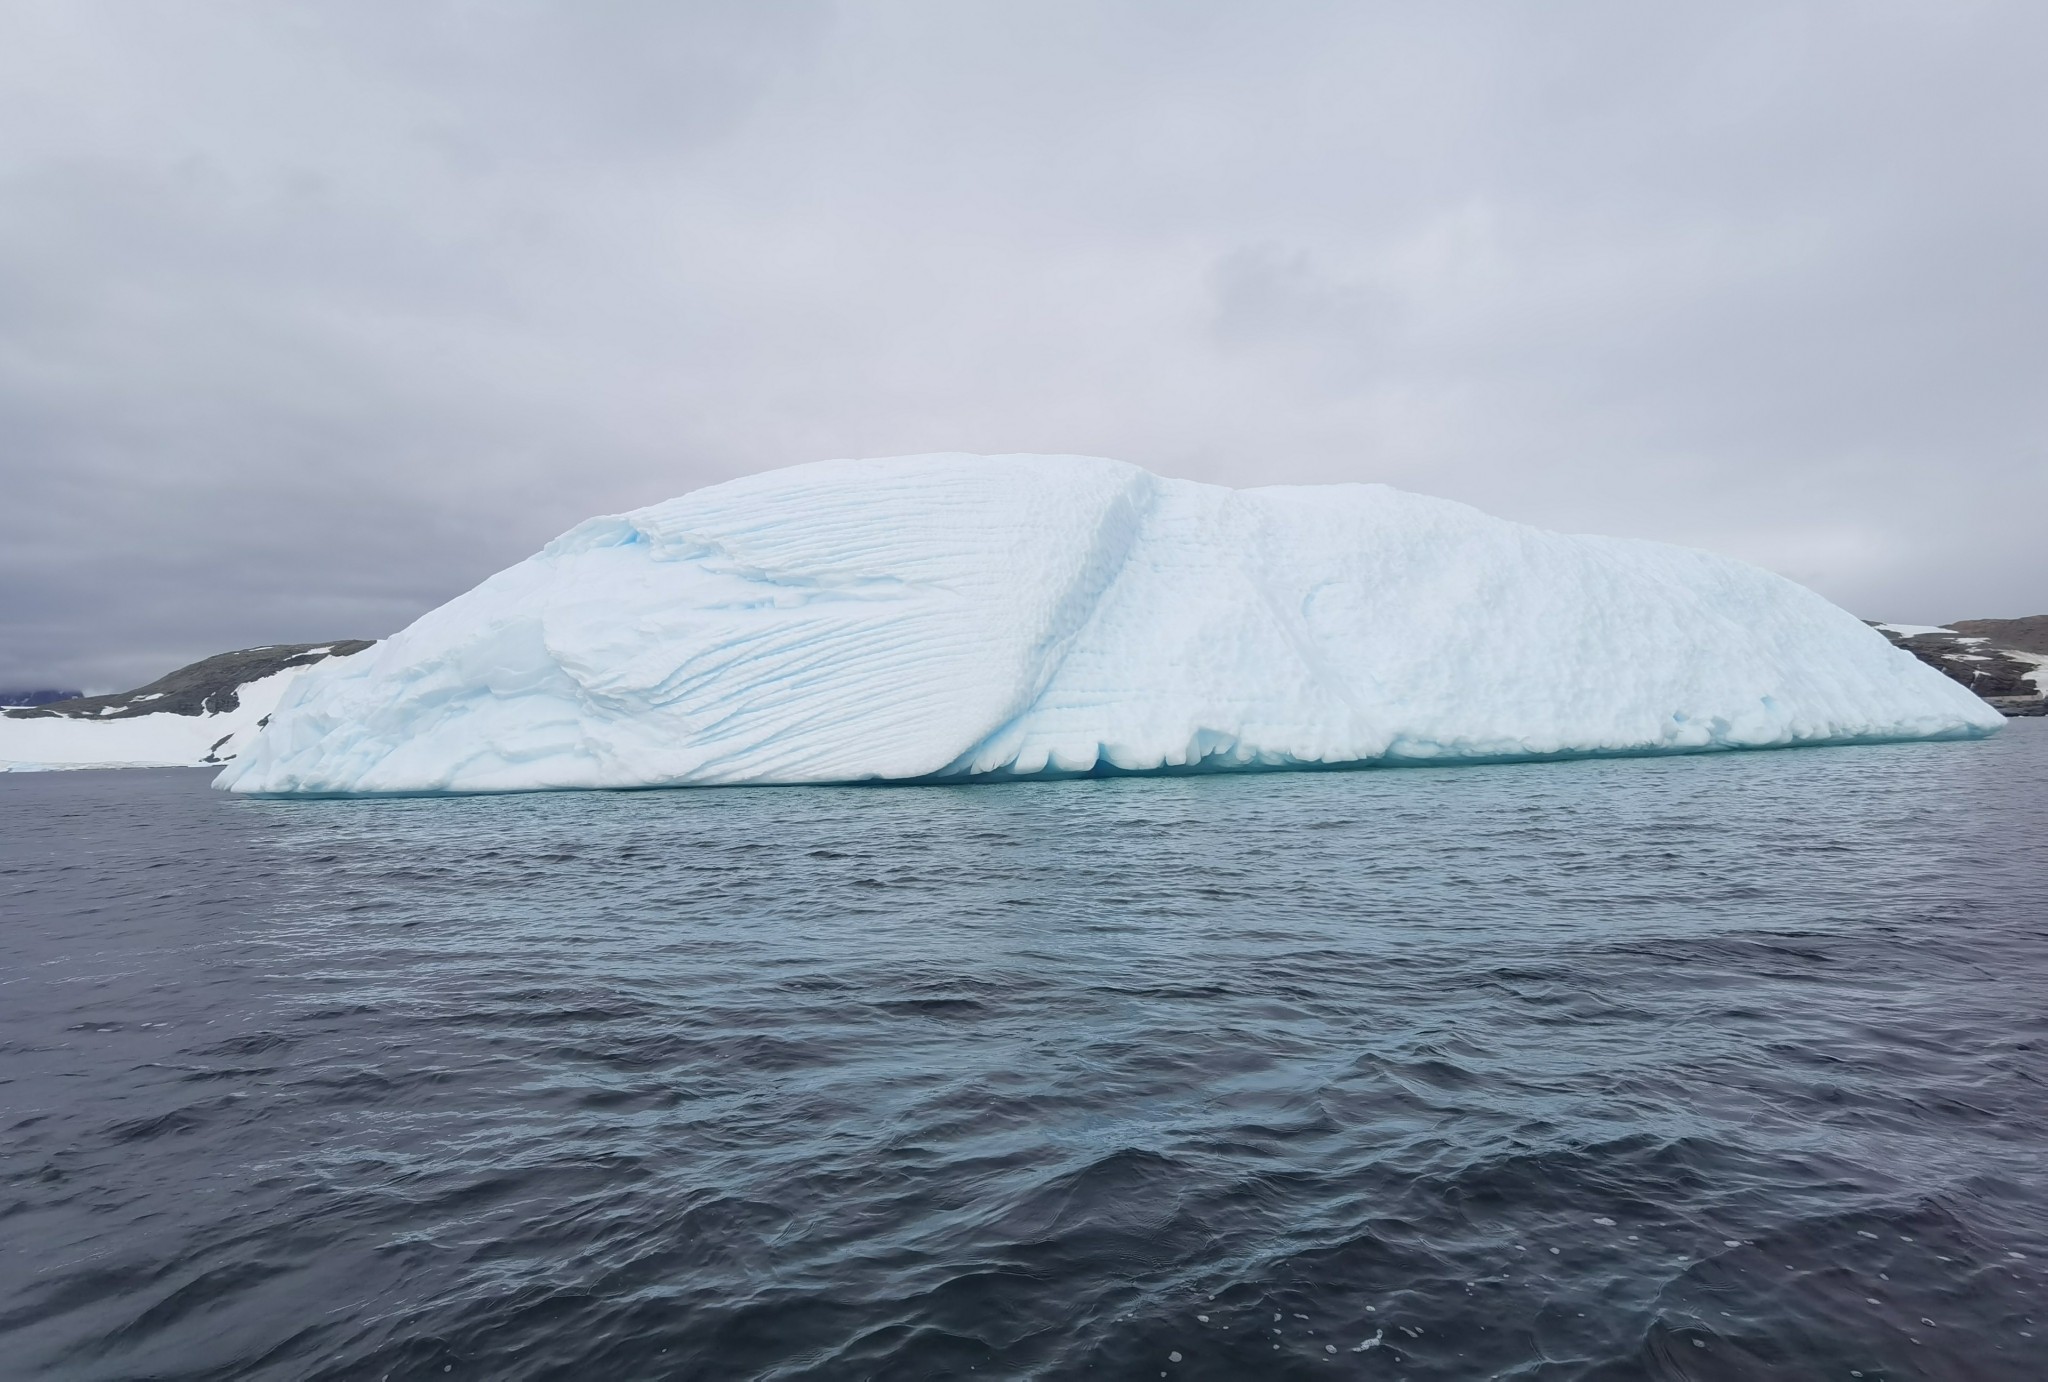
[(312, 316)]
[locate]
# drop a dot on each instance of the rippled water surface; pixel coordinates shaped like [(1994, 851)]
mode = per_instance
[(1716, 1067)]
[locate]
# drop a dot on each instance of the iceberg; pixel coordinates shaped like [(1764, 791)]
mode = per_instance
[(952, 617)]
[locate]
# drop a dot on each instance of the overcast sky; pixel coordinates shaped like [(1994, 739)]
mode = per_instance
[(313, 315)]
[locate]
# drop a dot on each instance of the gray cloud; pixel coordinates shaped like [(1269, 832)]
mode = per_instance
[(312, 316)]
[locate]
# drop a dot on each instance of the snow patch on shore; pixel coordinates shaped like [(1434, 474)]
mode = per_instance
[(57, 743)]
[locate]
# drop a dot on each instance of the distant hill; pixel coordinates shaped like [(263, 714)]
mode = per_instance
[(207, 687), (198, 715), (11, 698)]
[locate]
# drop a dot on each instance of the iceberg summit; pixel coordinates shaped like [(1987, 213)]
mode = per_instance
[(939, 618)]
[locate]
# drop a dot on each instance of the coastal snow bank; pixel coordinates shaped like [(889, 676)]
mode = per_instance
[(947, 617), (196, 716)]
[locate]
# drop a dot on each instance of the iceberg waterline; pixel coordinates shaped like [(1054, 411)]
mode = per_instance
[(949, 617)]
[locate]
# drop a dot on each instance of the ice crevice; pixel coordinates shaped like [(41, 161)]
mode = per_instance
[(940, 618)]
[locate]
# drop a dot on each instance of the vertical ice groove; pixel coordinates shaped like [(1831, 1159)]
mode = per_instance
[(1119, 531)]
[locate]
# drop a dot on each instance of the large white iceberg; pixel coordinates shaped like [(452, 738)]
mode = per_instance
[(949, 617)]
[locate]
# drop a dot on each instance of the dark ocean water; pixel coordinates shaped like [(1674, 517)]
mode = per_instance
[(1719, 1067)]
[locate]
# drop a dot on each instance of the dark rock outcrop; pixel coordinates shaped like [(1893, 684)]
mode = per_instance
[(1983, 662), (2029, 635), (207, 687)]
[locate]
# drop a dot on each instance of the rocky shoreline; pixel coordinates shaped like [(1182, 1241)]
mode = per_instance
[(2005, 661)]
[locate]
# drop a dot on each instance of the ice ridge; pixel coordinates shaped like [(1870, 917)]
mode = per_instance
[(951, 617)]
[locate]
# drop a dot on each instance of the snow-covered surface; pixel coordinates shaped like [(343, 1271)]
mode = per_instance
[(1916, 630), (941, 617), (2038, 661), (140, 741)]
